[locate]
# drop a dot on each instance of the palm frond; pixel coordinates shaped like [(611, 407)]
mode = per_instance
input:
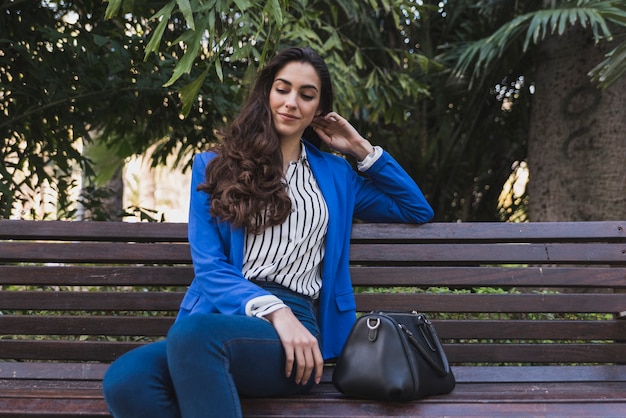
[(482, 54), (612, 68)]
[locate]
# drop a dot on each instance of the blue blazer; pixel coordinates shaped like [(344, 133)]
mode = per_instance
[(217, 248)]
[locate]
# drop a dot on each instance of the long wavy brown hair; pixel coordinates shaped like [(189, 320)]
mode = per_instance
[(245, 179)]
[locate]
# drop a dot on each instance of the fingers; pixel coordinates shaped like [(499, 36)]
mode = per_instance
[(302, 352), (328, 120), (289, 360), (334, 130), (304, 366), (302, 359), (319, 364)]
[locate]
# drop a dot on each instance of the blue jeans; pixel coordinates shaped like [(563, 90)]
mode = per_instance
[(205, 364)]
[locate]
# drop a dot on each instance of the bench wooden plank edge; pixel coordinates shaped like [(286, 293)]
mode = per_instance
[(479, 231), (463, 374)]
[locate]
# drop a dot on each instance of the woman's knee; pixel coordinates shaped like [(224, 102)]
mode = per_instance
[(139, 380), (116, 386)]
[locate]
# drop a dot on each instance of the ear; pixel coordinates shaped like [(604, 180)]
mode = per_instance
[(319, 112)]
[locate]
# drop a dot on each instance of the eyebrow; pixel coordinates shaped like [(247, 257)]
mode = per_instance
[(306, 86)]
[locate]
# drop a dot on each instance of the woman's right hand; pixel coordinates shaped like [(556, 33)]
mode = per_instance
[(301, 347)]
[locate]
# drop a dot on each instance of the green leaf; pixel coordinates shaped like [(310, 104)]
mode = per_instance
[(184, 65), (189, 93), (358, 59), (332, 42), (572, 17), (242, 5), (185, 8), (218, 69), (155, 39), (112, 8), (562, 23), (211, 21), (193, 43), (612, 68), (582, 18), (274, 11)]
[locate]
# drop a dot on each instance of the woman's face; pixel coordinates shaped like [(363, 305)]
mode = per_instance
[(294, 99)]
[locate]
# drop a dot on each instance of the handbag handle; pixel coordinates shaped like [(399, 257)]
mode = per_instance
[(438, 348)]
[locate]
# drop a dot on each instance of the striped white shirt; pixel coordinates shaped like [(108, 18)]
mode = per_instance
[(291, 254)]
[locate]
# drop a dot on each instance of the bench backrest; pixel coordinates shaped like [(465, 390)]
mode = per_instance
[(533, 293)]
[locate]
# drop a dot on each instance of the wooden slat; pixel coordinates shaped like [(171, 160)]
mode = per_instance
[(84, 325), (489, 232), (467, 400), (540, 374), (471, 400), (480, 391), (51, 371), (456, 353), (447, 329), (72, 275), (374, 276), (463, 374), (91, 301), (92, 252), (535, 353), (370, 276), (64, 404), (507, 277), (104, 351), (578, 399), (168, 301), (494, 232), (93, 231), (556, 303), (531, 329), (588, 253)]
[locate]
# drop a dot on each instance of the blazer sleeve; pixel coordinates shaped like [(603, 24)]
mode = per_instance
[(389, 194), (218, 285)]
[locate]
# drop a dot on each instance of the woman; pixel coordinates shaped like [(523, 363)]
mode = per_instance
[(269, 229)]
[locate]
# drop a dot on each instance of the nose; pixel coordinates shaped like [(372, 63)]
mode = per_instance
[(291, 100)]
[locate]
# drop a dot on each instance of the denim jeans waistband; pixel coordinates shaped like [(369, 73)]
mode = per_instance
[(304, 307), (277, 289)]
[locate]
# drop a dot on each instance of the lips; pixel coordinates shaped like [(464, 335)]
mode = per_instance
[(288, 117)]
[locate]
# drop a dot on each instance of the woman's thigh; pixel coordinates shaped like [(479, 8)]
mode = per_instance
[(229, 353)]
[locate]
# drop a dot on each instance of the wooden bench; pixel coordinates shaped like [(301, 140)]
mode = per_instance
[(531, 315)]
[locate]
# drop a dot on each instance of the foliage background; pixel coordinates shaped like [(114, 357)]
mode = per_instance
[(446, 87)]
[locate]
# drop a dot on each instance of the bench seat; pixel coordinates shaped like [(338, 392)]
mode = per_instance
[(567, 391), (530, 315)]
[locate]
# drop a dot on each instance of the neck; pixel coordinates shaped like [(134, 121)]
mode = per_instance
[(291, 150)]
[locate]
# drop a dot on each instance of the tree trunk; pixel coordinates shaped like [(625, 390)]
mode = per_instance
[(103, 203), (577, 144), (113, 205)]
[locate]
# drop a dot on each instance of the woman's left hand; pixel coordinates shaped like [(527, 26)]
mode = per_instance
[(302, 352), (341, 136)]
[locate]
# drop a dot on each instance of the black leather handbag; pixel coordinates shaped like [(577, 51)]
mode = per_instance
[(393, 357)]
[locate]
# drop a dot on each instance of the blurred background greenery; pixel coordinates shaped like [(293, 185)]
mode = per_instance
[(501, 110)]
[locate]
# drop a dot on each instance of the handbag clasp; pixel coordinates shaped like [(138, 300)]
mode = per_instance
[(372, 325)]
